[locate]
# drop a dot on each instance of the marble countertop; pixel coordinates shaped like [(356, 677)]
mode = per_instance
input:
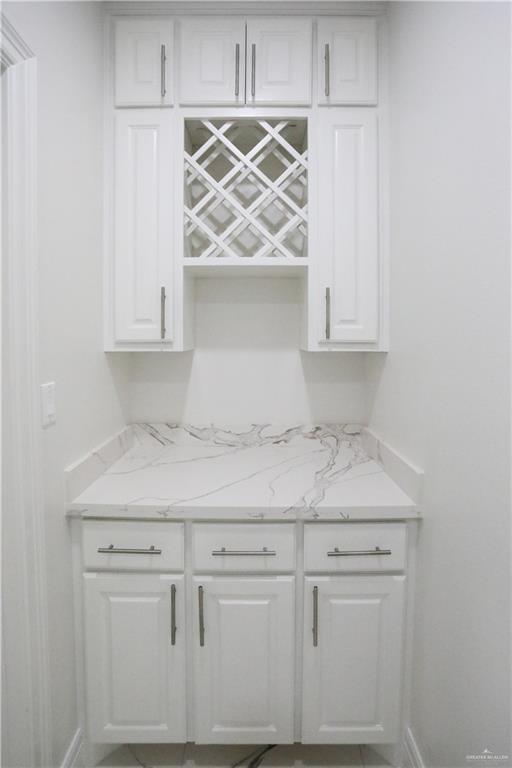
[(257, 472)]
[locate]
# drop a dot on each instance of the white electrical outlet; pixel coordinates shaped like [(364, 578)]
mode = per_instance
[(48, 409)]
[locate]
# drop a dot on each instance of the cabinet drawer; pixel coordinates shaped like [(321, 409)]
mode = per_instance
[(354, 547), (133, 546), (246, 547)]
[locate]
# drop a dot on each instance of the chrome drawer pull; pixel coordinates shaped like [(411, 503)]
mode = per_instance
[(315, 617), (111, 550), (200, 594), (163, 59), (347, 553), (173, 614), (243, 553)]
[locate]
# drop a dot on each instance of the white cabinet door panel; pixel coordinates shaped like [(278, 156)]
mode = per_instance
[(347, 61), (244, 671), (279, 60), (348, 223), (143, 63), (212, 61), (142, 225), (135, 674), (352, 677)]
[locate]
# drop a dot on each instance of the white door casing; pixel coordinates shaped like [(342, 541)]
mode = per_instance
[(26, 702)]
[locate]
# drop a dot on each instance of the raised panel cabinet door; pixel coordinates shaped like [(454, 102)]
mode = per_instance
[(143, 226), (348, 225), (353, 627), (212, 61), (244, 660), (143, 62), (135, 657), (347, 61), (279, 60)]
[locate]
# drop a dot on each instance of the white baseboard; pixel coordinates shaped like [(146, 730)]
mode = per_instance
[(413, 758), (72, 756), (403, 472)]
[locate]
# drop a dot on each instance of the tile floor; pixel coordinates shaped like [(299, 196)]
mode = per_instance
[(194, 756)]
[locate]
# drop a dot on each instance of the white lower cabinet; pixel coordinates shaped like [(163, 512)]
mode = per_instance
[(135, 657), (227, 618), (244, 638), (353, 627)]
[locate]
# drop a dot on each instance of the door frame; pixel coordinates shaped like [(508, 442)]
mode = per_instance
[(25, 636)]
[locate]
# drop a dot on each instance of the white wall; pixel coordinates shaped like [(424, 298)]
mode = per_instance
[(67, 40), (442, 396), (246, 366)]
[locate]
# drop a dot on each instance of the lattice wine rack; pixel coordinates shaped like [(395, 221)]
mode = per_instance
[(246, 189)]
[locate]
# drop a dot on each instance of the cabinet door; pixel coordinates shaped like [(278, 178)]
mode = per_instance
[(143, 62), (347, 61), (142, 225), (279, 60), (244, 660), (212, 61), (348, 225), (352, 662), (135, 661)]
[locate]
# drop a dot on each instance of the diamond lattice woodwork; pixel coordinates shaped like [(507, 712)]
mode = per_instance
[(246, 189)]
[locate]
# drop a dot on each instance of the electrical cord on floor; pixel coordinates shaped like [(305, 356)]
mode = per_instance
[(254, 758), (256, 761)]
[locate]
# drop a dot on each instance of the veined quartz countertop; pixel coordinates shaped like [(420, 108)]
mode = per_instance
[(257, 472)]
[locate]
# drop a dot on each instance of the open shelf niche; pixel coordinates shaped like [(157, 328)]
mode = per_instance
[(246, 191)]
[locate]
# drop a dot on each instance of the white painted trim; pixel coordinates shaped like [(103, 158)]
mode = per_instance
[(403, 472), (82, 473), (244, 7), (413, 754), (23, 484), (71, 758), (13, 49)]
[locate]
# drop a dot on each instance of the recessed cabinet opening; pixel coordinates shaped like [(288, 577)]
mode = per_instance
[(246, 190)]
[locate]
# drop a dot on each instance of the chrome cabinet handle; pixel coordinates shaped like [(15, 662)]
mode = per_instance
[(315, 617), (162, 312), (111, 550), (354, 553), (327, 62), (241, 552), (173, 614), (163, 59), (237, 69), (201, 616), (253, 72), (327, 313)]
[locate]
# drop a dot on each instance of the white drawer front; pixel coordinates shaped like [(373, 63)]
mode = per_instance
[(133, 546), (247, 547), (336, 548)]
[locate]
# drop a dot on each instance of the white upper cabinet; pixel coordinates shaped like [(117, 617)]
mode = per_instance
[(244, 660), (143, 214), (279, 60), (347, 60), (347, 246), (212, 60), (143, 62), (135, 657), (353, 627)]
